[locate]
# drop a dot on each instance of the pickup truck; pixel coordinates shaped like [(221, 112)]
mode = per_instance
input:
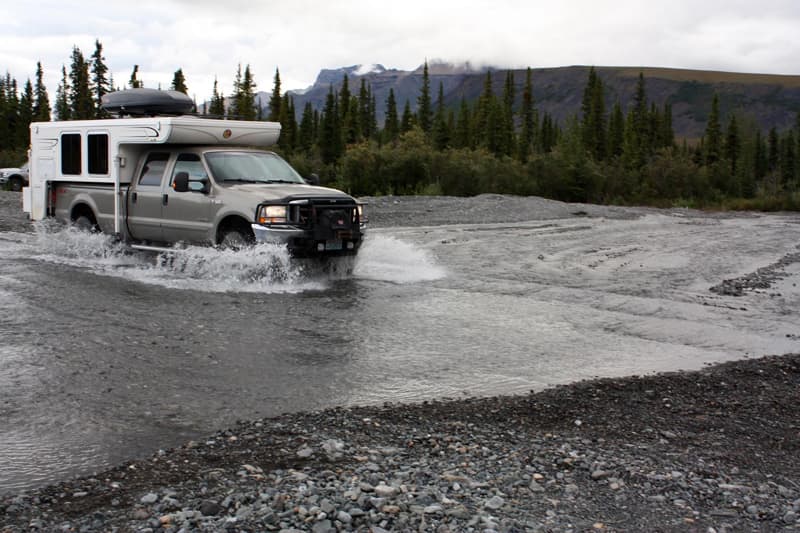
[(14, 178), (155, 181), (218, 195)]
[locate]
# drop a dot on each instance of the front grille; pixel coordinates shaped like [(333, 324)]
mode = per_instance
[(313, 213)]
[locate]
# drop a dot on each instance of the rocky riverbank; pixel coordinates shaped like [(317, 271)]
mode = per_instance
[(713, 450)]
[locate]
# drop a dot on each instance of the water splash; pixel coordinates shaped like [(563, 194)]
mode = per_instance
[(264, 268), (386, 258)]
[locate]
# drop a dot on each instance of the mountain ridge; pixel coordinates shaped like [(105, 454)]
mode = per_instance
[(763, 100)]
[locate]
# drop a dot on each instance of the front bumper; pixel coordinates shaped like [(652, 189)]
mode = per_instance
[(309, 242)]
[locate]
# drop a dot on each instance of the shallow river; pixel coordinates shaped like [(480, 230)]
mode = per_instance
[(107, 356)]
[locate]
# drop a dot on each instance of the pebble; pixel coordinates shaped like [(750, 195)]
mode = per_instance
[(149, 498), (494, 503)]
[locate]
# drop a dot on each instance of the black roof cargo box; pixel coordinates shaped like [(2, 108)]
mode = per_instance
[(147, 102)]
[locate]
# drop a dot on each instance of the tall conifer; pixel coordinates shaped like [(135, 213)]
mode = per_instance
[(391, 126), (100, 84), (424, 107), (41, 103), (275, 98)]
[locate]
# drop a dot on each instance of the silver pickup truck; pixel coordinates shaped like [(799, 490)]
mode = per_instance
[(155, 181), (218, 195)]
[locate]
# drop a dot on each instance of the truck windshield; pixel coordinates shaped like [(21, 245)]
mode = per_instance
[(250, 167)]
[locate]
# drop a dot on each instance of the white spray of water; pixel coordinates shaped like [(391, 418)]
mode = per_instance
[(385, 258), (264, 268)]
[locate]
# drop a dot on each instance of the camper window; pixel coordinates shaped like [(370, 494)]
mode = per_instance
[(153, 169), (71, 153), (98, 153)]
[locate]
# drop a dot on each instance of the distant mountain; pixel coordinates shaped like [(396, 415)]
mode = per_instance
[(765, 99)]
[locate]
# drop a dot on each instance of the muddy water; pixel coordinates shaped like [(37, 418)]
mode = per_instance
[(108, 355)]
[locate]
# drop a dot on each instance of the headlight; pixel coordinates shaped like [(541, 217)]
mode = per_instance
[(272, 214)]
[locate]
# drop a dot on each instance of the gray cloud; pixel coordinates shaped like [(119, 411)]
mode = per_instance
[(206, 38)]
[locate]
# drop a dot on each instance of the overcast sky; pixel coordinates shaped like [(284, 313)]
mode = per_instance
[(207, 39)]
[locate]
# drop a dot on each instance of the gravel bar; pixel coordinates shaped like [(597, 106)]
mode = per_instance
[(711, 450)]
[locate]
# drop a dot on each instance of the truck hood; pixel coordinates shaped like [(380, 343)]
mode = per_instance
[(278, 191)]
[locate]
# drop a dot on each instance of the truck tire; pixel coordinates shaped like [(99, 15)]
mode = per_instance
[(234, 239), (85, 223), (15, 183)]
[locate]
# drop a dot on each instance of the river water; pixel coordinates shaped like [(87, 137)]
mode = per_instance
[(108, 355)]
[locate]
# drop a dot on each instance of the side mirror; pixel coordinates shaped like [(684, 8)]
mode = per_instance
[(200, 185), (180, 183), (312, 179)]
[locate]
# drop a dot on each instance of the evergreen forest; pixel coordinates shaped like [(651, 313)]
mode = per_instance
[(499, 143)]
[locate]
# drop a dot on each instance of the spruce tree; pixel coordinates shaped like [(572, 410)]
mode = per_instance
[(179, 82), (391, 126), (217, 107), (365, 125), (306, 130), (424, 108), (462, 137), (62, 97), (134, 82), (507, 139), (733, 144), (81, 103), (486, 102), (41, 102), (407, 121), (344, 99), (243, 105), (9, 119), (275, 98), (25, 115), (330, 134), (288, 138), (639, 136), (529, 119), (441, 135), (713, 136), (100, 85), (616, 131)]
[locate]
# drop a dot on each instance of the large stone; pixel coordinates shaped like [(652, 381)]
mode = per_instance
[(209, 508), (385, 491), (494, 503)]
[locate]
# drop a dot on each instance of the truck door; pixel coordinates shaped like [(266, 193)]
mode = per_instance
[(146, 199), (186, 216)]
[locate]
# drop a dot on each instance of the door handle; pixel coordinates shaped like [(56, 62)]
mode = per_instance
[(134, 196), (164, 199)]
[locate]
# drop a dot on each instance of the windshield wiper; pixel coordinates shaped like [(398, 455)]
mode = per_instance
[(280, 181), (243, 180)]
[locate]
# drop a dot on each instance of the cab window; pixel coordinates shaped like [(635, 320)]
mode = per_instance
[(191, 164), (153, 169)]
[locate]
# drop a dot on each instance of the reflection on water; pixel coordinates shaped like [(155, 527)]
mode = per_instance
[(108, 354)]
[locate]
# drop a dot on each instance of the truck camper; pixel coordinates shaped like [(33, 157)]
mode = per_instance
[(155, 177)]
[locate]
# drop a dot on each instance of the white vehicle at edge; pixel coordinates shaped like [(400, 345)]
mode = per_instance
[(13, 177)]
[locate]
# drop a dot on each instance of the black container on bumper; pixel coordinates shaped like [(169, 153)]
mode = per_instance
[(332, 228)]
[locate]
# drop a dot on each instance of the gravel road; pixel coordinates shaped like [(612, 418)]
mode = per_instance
[(711, 450)]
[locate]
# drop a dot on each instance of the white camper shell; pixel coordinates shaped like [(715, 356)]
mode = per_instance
[(106, 151)]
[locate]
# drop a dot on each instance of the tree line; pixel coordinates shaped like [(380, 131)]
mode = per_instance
[(498, 143)]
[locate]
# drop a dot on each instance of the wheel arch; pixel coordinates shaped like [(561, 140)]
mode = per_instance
[(234, 221)]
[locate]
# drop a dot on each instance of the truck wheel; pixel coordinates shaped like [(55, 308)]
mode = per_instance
[(233, 239), (85, 223), (16, 184)]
